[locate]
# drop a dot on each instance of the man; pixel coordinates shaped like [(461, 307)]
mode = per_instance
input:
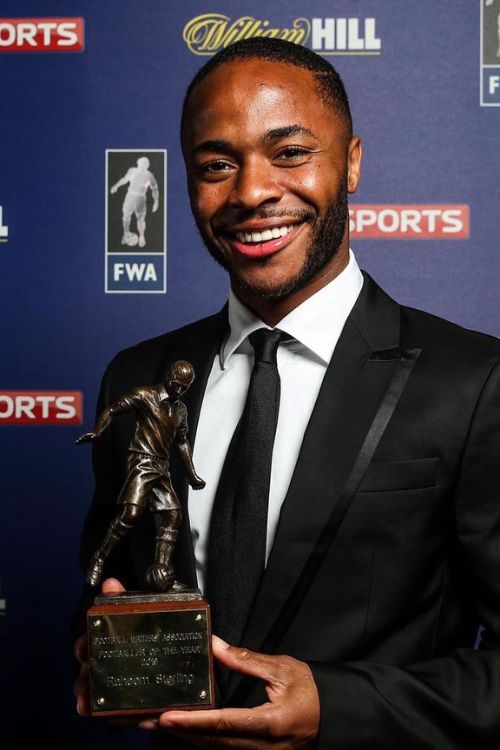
[(160, 419), (382, 548), (139, 179)]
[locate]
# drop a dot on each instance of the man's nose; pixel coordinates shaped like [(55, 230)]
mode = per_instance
[(256, 183)]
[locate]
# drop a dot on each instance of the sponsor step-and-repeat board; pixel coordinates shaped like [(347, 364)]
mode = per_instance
[(98, 249)]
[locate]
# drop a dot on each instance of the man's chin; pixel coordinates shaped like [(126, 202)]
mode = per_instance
[(266, 289)]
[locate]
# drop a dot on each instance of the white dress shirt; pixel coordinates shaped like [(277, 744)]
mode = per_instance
[(315, 327)]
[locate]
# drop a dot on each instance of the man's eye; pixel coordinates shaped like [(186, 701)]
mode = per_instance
[(292, 152), (211, 167)]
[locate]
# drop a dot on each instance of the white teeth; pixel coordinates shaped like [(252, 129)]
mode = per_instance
[(264, 236)]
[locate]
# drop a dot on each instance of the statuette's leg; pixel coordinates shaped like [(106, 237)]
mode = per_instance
[(160, 575), (119, 529)]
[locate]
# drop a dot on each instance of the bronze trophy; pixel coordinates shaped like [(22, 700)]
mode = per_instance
[(150, 651)]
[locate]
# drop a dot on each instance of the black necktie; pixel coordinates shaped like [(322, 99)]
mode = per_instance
[(238, 529)]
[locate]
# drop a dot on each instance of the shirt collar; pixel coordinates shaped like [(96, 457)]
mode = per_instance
[(316, 324)]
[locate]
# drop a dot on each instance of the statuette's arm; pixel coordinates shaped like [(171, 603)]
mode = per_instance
[(127, 403), (187, 459)]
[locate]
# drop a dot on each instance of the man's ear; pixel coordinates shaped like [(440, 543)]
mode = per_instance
[(354, 156)]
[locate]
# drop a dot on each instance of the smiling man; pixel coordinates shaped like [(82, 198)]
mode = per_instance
[(270, 158), (348, 536)]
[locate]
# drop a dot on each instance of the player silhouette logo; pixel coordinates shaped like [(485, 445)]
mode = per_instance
[(488, 3), (139, 179)]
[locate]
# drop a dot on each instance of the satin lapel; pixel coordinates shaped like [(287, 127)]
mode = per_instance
[(198, 344), (353, 388)]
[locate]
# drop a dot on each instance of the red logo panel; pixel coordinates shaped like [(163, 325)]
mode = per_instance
[(409, 222), (41, 407), (41, 34)]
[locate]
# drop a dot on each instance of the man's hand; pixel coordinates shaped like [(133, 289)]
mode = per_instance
[(197, 483), (81, 688), (88, 437), (155, 206), (289, 720)]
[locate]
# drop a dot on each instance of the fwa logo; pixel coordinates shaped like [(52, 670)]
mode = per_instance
[(136, 220), (210, 32), (490, 53), (4, 229)]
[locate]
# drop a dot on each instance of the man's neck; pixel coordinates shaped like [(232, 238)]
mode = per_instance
[(271, 311)]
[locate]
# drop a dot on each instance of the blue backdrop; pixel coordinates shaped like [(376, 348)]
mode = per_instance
[(427, 110)]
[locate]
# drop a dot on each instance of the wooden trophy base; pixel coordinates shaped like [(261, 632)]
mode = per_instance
[(149, 653)]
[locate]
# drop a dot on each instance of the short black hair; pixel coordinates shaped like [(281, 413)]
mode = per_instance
[(330, 85)]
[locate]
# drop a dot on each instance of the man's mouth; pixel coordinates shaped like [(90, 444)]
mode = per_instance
[(262, 242)]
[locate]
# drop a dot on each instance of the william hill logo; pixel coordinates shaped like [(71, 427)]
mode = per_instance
[(211, 32)]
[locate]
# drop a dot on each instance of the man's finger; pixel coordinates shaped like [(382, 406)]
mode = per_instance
[(81, 683), (81, 649), (112, 586), (221, 721), (81, 691)]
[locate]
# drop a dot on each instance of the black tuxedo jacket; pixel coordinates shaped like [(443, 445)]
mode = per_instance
[(386, 560)]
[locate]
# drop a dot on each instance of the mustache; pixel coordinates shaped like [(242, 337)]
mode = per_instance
[(301, 214)]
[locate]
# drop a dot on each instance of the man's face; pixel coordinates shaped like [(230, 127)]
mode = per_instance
[(269, 166)]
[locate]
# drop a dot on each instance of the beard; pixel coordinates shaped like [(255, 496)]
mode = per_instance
[(325, 243)]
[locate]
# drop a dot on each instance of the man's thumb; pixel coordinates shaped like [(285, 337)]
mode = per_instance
[(244, 661)]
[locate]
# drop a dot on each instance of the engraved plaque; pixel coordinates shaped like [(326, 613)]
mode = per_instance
[(150, 653)]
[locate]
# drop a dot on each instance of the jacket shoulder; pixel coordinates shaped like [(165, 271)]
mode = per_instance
[(145, 362), (150, 349), (449, 341), (445, 330)]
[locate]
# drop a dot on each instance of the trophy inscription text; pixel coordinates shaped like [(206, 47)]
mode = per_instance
[(133, 654)]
